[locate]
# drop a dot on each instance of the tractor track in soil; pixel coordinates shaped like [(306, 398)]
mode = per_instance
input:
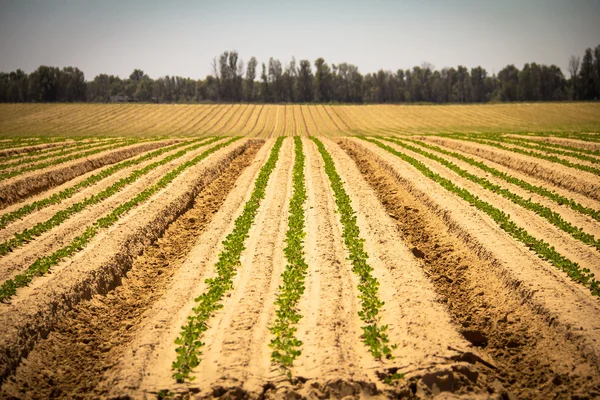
[(90, 338), (528, 352)]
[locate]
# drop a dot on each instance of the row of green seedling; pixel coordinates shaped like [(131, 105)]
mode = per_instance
[(553, 217), (55, 152), (43, 264), (540, 190), (536, 145), (42, 152), (27, 142), (374, 334), (50, 163), (529, 153), (550, 145), (584, 136), (286, 347), (543, 249), (89, 181), (59, 217), (189, 341)]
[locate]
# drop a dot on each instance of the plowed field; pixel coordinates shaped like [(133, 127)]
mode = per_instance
[(354, 259)]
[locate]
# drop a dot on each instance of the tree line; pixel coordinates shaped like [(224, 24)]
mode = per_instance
[(232, 80)]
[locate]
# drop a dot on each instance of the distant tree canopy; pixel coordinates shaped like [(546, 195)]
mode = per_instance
[(318, 82)]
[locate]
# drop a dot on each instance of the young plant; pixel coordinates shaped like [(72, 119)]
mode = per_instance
[(43, 264), (286, 347), (374, 334), (189, 343), (580, 275)]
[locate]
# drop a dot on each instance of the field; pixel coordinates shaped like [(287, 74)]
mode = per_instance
[(265, 121), (305, 251)]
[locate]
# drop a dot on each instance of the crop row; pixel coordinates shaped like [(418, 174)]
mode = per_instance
[(543, 249), (584, 136), (560, 146), (55, 149), (71, 157), (89, 181), (43, 264), (16, 143), (529, 153), (545, 212), (542, 146), (374, 334), (189, 343), (557, 198), (58, 218), (56, 152), (285, 344)]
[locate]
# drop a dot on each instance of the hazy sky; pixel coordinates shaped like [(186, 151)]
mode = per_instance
[(182, 37)]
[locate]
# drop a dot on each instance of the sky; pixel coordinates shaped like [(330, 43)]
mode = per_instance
[(180, 37)]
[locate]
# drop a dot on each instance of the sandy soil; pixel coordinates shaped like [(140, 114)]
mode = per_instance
[(472, 312), (538, 227), (47, 212), (71, 152), (20, 258), (534, 344), (538, 181), (152, 350), (92, 337), (33, 312), (545, 152), (588, 224), (560, 175), (564, 141), (28, 184), (28, 149)]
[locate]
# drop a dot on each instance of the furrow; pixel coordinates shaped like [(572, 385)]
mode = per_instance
[(88, 342), (516, 312)]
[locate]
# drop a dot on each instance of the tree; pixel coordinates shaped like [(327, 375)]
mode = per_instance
[(508, 79), (304, 83), (573, 68), (265, 95), (43, 84), (250, 78), (478, 76), (275, 79), (586, 77), (597, 69), (71, 85), (323, 82)]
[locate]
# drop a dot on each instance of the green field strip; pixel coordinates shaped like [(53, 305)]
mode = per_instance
[(553, 217), (120, 144), (540, 190), (529, 153), (543, 249), (40, 152), (188, 352), (541, 147), (89, 181), (28, 142), (40, 228), (43, 264), (584, 136), (555, 146), (374, 335), (286, 347), (61, 151)]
